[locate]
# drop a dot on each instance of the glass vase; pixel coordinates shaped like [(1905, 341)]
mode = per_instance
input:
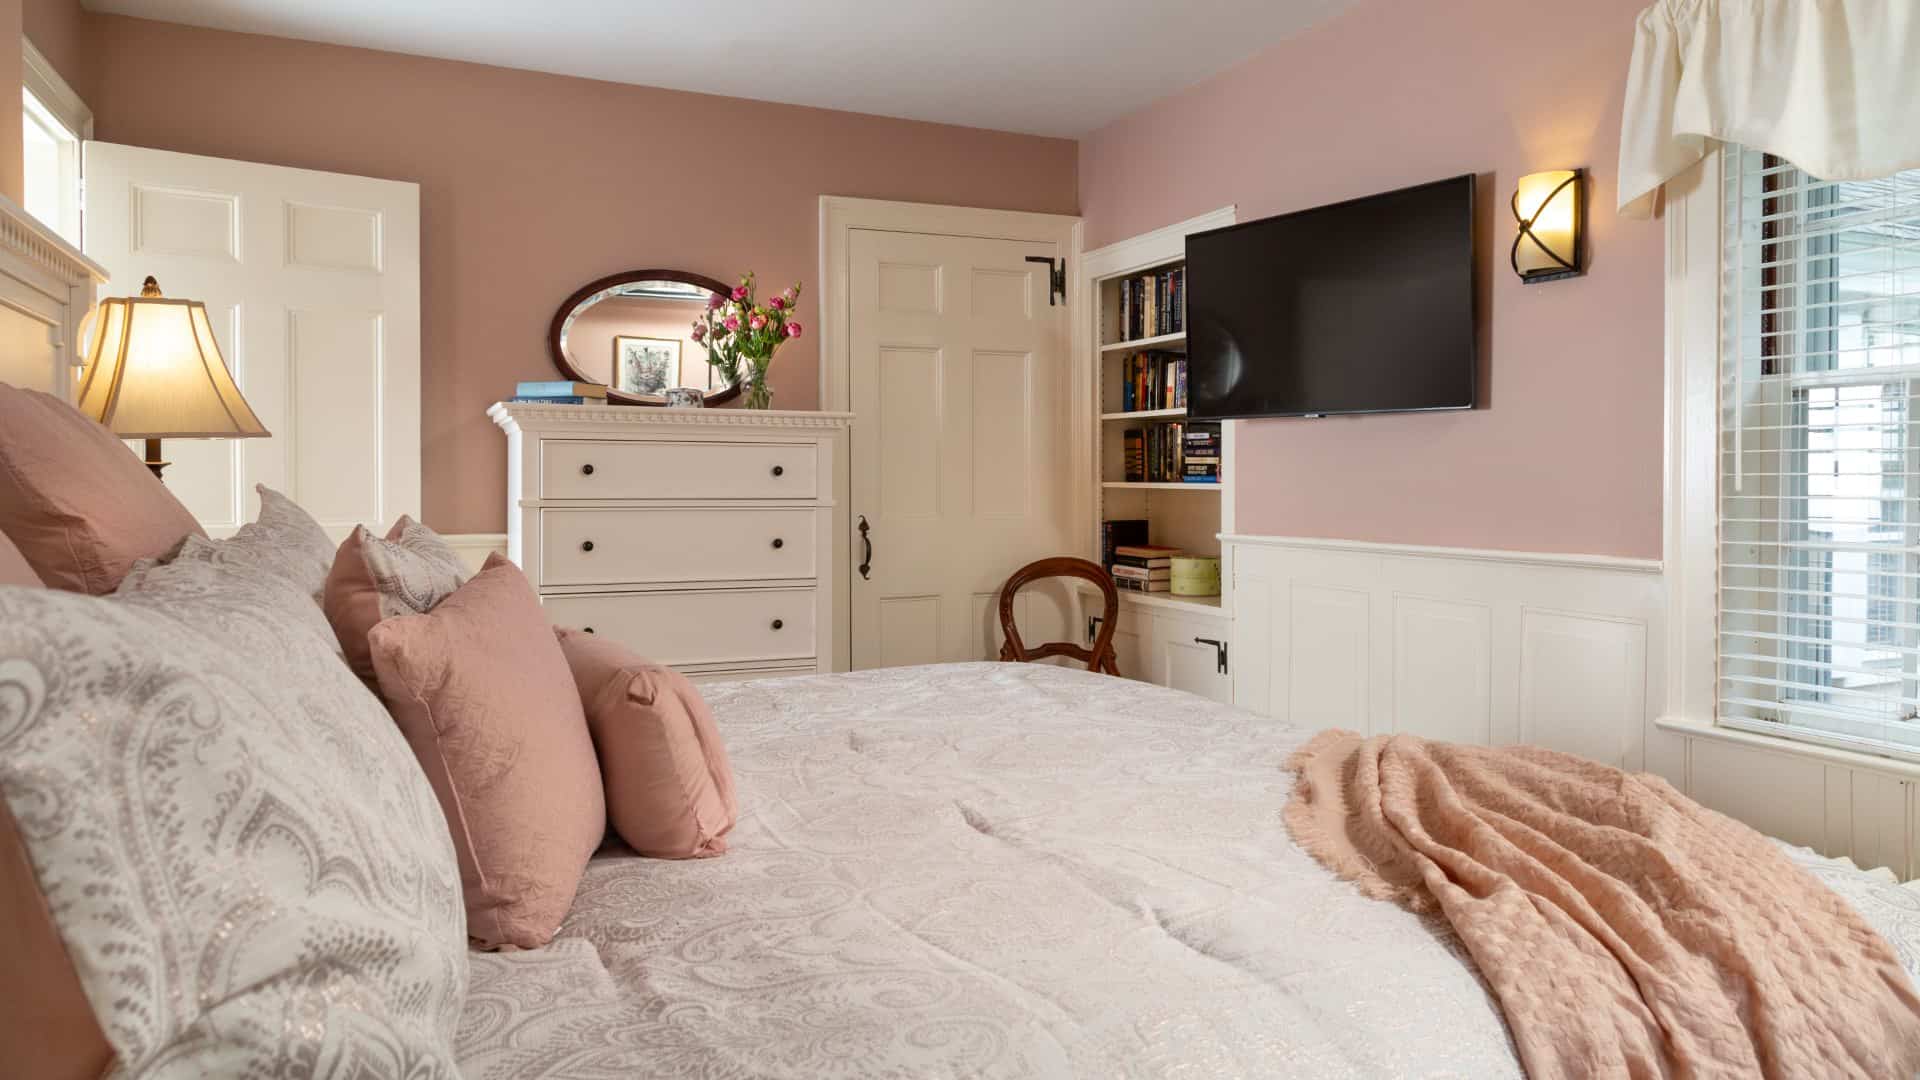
[(759, 390)]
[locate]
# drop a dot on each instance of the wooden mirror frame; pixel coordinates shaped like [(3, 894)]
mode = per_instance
[(565, 365)]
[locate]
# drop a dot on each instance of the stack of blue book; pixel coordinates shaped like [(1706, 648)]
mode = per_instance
[(561, 392)]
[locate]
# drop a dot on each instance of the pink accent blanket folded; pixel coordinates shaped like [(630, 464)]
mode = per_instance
[(1625, 929)]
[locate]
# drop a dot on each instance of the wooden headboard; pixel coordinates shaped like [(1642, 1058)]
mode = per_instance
[(46, 288)]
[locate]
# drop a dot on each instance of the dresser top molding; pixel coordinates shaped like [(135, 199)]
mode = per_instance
[(512, 415)]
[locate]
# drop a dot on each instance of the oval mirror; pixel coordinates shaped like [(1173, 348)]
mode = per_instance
[(632, 332)]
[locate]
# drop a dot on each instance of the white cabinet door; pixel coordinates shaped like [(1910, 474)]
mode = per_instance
[(1173, 650), (312, 281), (1184, 657)]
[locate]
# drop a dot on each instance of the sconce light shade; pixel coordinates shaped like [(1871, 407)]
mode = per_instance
[(1549, 215)]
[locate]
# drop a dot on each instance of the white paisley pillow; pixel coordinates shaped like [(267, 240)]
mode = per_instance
[(284, 540), (251, 874)]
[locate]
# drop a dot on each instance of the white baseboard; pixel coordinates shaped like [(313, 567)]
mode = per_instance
[(475, 547)]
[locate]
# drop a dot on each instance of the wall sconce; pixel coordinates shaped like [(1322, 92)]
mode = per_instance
[(1550, 215)]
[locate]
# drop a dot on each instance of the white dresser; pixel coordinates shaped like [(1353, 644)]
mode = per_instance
[(702, 538)]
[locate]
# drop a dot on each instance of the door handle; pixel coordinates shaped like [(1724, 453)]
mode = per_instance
[(1219, 653), (866, 558)]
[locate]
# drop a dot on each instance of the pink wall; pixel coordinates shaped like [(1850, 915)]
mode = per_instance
[(1565, 453), (533, 185)]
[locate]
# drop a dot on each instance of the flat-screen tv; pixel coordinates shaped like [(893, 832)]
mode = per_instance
[(1362, 306)]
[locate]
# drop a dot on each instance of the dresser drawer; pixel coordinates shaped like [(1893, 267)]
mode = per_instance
[(704, 627), (635, 546), (585, 469)]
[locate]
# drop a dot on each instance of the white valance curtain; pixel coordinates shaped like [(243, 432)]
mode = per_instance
[(1831, 85)]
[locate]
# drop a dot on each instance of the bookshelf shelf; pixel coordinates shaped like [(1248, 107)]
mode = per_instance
[(1136, 485), (1145, 414), (1158, 341), (1192, 605)]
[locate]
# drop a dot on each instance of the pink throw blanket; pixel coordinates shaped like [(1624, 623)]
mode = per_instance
[(1625, 929)]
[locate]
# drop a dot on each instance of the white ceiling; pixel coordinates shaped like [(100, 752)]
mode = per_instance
[(1048, 67)]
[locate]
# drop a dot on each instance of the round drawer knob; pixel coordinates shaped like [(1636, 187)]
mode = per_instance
[(586, 470), (586, 545), (779, 470), (779, 543), (777, 624), (586, 629)]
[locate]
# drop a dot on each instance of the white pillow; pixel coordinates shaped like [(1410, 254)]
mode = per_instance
[(251, 873)]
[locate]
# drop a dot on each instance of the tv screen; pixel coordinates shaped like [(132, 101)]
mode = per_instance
[(1362, 306)]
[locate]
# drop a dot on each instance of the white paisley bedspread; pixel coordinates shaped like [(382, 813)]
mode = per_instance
[(1002, 870)]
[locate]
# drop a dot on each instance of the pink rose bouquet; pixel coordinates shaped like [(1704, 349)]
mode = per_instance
[(741, 335)]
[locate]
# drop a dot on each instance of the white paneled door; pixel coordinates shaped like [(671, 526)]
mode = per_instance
[(312, 280), (960, 458)]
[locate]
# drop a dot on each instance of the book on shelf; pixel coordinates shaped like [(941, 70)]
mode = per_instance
[(569, 400), (1153, 304), (558, 388), (1138, 573), (1138, 562), (1202, 458), (1153, 380), (1134, 455), (1147, 551), (1120, 532), (1132, 585)]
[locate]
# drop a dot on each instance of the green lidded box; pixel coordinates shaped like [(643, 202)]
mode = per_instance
[(1195, 575)]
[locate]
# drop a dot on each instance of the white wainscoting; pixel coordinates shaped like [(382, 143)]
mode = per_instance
[(475, 547), (1562, 651), (1470, 646)]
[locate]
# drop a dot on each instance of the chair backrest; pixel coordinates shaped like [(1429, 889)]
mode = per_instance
[(1098, 658)]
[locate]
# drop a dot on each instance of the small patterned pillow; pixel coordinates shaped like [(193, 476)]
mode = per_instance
[(283, 540), (373, 579), (250, 872)]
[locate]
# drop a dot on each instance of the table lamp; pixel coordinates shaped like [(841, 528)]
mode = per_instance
[(154, 372)]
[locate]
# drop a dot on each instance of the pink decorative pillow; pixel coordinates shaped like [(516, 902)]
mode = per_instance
[(13, 567), (80, 508), (482, 692), (669, 787), (374, 579)]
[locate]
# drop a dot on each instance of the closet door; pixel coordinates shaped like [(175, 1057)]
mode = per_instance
[(312, 281), (958, 369)]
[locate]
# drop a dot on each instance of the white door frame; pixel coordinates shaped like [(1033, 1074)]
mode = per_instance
[(840, 215)]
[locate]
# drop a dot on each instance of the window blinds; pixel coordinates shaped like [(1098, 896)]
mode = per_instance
[(1820, 456)]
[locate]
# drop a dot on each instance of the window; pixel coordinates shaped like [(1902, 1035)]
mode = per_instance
[(53, 121), (52, 163), (1819, 610)]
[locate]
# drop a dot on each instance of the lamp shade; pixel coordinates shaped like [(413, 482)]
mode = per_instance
[(1548, 219), (155, 372)]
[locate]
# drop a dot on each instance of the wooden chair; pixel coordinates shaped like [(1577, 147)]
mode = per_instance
[(1101, 656)]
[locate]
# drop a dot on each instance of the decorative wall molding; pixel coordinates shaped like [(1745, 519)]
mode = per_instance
[(475, 547), (23, 235), (1518, 558), (512, 412)]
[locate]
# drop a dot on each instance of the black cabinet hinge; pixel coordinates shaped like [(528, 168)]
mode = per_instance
[(1056, 277), (1219, 653)]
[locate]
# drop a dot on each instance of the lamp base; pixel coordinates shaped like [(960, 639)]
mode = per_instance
[(153, 459)]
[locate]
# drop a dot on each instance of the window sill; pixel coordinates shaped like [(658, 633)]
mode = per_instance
[(1691, 728)]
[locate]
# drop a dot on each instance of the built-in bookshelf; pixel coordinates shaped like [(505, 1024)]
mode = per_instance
[(1151, 461)]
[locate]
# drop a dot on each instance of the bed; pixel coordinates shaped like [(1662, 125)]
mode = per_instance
[(1003, 870)]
